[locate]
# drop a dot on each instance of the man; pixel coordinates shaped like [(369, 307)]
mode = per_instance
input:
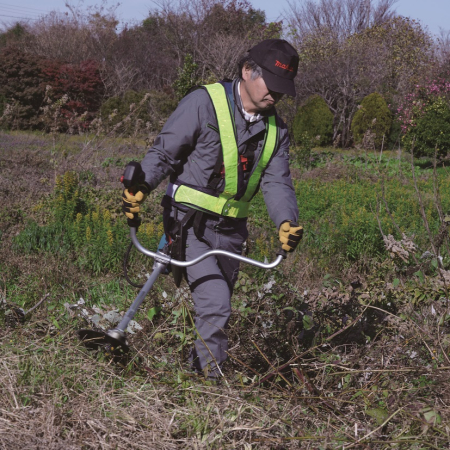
[(220, 145)]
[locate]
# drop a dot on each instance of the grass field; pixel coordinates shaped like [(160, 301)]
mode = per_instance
[(344, 345)]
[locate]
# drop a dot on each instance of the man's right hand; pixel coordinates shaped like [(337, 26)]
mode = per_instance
[(131, 201)]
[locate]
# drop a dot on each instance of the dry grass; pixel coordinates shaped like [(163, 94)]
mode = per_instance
[(56, 394), (59, 396)]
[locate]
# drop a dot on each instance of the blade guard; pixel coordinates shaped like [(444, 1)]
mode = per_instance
[(98, 340)]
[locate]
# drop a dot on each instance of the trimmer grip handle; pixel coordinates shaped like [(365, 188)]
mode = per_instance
[(133, 176)]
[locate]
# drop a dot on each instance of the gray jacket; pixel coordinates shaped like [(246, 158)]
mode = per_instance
[(188, 148)]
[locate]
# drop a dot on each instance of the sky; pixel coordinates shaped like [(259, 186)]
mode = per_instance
[(434, 14)]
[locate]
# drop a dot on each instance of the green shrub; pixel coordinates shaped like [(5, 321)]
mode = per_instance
[(395, 135), (187, 77), (13, 35), (315, 120), (115, 109), (432, 132), (373, 117), (137, 110), (301, 154)]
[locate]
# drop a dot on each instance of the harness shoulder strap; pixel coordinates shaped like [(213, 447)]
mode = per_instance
[(216, 176), (228, 85)]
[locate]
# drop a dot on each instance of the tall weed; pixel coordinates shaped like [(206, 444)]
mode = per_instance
[(82, 230)]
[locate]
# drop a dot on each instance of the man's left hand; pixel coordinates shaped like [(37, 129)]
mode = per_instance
[(290, 235)]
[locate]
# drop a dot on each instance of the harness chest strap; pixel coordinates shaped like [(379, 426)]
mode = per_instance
[(225, 204)]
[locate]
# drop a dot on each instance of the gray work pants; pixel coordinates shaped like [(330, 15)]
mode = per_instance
[(211, 282)]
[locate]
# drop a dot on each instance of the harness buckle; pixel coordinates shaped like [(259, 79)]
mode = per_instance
[(244, 163)]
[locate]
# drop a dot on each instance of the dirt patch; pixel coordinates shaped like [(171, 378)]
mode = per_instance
[(330, 172), (30, 164), (26, 168)]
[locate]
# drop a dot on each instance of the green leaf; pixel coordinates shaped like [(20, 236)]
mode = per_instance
[(55, 322), (357, 394), (396, 282), (308, 322), (152, 312), (431, 416), (419, 274), (176, 313), (444, 319), (379, 414)]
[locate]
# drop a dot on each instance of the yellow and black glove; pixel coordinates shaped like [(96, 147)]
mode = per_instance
[(131, 201), (290, 235)]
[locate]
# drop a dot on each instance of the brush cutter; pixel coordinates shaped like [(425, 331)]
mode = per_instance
[(114, 340)]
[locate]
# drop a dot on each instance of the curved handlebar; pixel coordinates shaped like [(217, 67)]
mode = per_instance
[(167, 259)]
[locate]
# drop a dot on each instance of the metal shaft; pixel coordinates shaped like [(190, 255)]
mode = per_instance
[(158, 268)]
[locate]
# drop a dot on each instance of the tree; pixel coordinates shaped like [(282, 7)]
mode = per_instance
[(141, 59), (342, 18), (22, 86), (74, 37), (147, 56), (187, 78), (14, 35), (424, 116), (215, 32), (432, 133), (406, 50), (341, 73), (352, 48), (443, 54)]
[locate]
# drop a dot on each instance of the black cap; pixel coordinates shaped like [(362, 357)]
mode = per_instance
[(279, 63)]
